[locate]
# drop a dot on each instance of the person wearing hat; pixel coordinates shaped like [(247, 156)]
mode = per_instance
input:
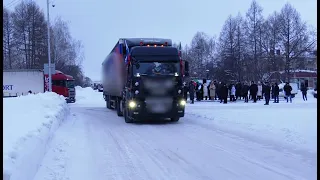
[(267, 91)]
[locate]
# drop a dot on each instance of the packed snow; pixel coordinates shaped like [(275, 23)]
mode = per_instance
[(213, 141), (29, 123), (287, 124)]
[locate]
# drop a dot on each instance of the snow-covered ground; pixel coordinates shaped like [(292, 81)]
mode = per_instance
[(213, 141), (29, 123), (293, 125)]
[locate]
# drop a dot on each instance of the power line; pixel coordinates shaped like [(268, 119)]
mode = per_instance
[(12, 3)]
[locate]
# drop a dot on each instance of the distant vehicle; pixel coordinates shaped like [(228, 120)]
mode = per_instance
[(100, 88), (142, 78), (294, 91), (96, 84), (25, 81), (63, 84), (20, 82), (314, 93)]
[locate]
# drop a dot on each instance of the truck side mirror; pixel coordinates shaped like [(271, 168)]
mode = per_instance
[(186, 68)]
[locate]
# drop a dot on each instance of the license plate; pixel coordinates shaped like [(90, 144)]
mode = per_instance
[(159, 105)]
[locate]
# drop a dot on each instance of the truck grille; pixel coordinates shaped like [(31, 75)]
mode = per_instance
[(72, 92)]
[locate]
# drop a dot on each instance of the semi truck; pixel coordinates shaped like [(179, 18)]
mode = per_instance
[(23, 81), (143, 79)]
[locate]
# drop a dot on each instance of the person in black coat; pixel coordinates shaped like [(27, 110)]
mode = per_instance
[(287, 90), (191, 91), (216, 85), (267, 91), (276, 93), (224, 93), (272, 91), (245, 89), (238, 90), (185, 91), (253, 91), (304, 90), (218, 90)]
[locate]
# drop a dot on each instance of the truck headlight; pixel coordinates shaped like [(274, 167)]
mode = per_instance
[(179, 91), (136, 92), (132, 104), (136, 84), (183, 102)]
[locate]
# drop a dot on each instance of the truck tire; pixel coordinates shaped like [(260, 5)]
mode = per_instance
[(175, 119), (127, 119), (119, 107), (108, 102)]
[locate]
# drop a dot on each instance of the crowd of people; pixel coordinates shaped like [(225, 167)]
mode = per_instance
[(242, 90)]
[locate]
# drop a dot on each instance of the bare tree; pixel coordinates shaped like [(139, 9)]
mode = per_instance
[(227, 47), (199, 52), (295, 37), (30, 34), (253, 24), (7, 39)]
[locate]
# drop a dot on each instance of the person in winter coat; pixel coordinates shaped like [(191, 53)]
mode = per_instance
[(218, 90), (267, 91), (205, 91), (259, 93), (304, 90), (233, 93), (192, 91), (245, 90), (272, 91), (185, 91), (224, 93), (253, 91), (216, 85), (238, 90), (212, 88), (287, 90), (198, 91), (276, 93)]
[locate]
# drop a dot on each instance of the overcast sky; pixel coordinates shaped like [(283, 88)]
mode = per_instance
[(100, 23)]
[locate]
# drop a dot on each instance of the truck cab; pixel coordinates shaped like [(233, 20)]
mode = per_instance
[(149, 81), (63, 84)]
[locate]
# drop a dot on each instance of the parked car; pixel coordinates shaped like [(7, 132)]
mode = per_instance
[(100, 88)]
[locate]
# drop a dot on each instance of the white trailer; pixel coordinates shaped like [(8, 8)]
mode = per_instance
[(21, 81)]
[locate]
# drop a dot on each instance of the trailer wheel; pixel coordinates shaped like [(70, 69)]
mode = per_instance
[(119, 107), (108, 103)]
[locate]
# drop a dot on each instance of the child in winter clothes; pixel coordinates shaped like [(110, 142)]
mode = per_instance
[(233, 93)]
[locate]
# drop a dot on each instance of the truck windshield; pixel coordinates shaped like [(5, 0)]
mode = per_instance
[(157, 68), (70, 83)]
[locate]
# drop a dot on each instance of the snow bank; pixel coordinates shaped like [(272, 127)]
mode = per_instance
[(88, 96), (293, 125), (28, 124)]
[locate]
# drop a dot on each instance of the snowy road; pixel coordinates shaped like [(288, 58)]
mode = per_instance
[(96, 144)]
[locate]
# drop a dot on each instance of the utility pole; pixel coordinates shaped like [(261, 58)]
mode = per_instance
[(49, 55)]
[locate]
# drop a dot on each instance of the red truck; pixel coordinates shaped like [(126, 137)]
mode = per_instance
[(62, 84)]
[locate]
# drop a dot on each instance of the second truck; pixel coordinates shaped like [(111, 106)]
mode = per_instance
[(143, 79)]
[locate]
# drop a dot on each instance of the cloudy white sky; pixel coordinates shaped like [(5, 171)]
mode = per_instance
[(100, 23)]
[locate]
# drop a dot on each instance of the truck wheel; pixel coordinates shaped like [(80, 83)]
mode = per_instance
[(119, 107), (108, 102), (175, 119), (127, 119)]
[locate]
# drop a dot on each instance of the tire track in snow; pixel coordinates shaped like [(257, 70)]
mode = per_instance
[(173, 157)]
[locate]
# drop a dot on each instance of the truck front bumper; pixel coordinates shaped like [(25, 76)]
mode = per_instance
[(141, 112), (71, 99)]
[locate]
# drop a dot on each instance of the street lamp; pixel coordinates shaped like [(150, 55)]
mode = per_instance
[(49, 55)]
